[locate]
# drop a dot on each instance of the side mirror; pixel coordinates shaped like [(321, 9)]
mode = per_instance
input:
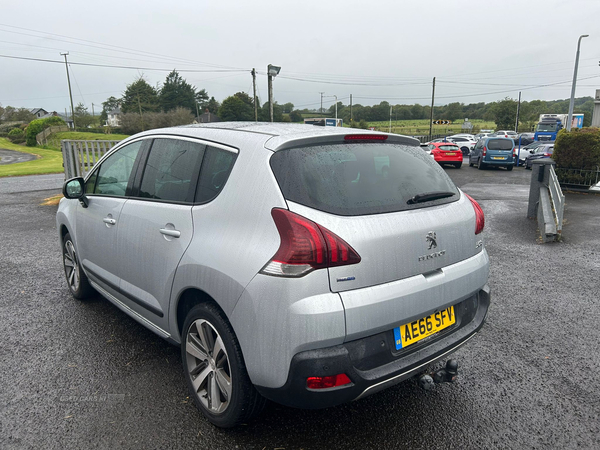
[(75, 189)]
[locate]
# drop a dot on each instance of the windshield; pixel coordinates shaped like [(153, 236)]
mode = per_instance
[(448, 147), (546, 127), (361, 178)]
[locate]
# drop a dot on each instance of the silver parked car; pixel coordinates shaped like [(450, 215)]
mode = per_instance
[(308, 265)]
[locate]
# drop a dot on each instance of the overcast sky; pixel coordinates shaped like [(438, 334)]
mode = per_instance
[(379, 50)]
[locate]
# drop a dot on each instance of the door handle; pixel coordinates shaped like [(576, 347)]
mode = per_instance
[(109, 220), (172, 233)]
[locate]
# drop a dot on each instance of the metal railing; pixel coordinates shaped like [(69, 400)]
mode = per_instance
[(80, 156), (578, 177), (558, 199)]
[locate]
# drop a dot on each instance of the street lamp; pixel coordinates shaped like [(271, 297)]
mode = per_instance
[(272, 71), (572, 102)]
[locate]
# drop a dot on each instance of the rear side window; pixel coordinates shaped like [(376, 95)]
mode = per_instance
[(360, 178), (448, 147), (214, 173), (500, 144), (171, 170)]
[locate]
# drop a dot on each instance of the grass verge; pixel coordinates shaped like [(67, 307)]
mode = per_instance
[(48, 161)]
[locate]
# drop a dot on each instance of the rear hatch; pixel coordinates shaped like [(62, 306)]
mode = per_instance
[(447, 150), (499, 150), (391, 203)]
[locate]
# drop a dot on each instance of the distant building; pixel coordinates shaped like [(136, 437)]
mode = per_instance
[(67, 120), (113, 118), (208, 117), (39, 112)]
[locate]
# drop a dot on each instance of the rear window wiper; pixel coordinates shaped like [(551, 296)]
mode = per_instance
[(428, 196)]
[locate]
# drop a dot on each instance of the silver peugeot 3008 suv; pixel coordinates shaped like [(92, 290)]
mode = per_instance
[(308, 265)]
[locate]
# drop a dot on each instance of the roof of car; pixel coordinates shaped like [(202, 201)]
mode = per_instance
[(275, 136)]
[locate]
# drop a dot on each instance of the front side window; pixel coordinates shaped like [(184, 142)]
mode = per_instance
[(113, 176), (171, 171)]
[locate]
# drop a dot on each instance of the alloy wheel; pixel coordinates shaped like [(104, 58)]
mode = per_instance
[(208, 366), (71, 266)]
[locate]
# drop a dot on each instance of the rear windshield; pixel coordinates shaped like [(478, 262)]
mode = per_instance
[(360, 178), (500, 144), (448, 147)]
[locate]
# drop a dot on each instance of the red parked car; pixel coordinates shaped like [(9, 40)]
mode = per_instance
[(446, 153)]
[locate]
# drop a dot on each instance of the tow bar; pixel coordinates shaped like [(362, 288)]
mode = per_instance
[(445, 375)]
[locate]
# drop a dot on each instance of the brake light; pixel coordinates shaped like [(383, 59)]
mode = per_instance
[(340, 379), (484, 151), (479, 217), (365, 137), (547, 154), (306, 246)]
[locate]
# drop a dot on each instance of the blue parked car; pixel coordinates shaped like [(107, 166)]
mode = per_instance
[(493, 151), (541, 152)]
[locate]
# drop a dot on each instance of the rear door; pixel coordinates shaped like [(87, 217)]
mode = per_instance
[(157, 225), (500, 150), (394, 225)]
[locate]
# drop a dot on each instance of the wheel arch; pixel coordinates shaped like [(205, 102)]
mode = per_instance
[(187, 299)]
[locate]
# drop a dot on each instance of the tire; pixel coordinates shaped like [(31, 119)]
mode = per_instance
[(237, 401), (458, 165), (480, 165), (509, 168), (470, 163), (76, 279)]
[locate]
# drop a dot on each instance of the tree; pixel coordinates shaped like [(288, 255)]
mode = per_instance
[(235, 109), (176, 92), (296, 116), (454, 111), (110, 104), (83, 118), (287, 107), (264, 114), (139, 95), (202, 99), (504, 113), (17, 115), (213, 106)]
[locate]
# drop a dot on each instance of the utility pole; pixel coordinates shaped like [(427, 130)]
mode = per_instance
[(390, 130), (335, 110), (321, 110), (431, 112), (70, 94), (197, 111), (572, 101), (254, 87), (93, 113), (518, 110), (272, 71), (350, 109)]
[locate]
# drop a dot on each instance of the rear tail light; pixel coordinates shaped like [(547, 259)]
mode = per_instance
[(484, 151), (306, 246), (327, 382), (365, 137), (479, 218), (547, 154)]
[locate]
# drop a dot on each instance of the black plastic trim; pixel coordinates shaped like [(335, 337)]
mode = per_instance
[(115, 288), (371, 363)]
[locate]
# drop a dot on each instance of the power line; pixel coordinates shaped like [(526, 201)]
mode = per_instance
[(125, 67)]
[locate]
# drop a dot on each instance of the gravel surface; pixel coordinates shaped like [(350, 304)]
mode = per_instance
[(84, 375)]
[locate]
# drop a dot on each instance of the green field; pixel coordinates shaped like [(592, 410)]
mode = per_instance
[(49, 157), (421, 127), (54, 140)]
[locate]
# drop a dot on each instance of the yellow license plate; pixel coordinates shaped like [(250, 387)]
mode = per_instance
[(498, 157), (450, 154), (410, 333)]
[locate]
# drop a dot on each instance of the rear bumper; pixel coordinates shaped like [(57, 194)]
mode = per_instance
[(502, 163), (372, 363)]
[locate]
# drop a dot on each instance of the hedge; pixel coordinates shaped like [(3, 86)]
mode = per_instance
[(37, 126), (577, 149)]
